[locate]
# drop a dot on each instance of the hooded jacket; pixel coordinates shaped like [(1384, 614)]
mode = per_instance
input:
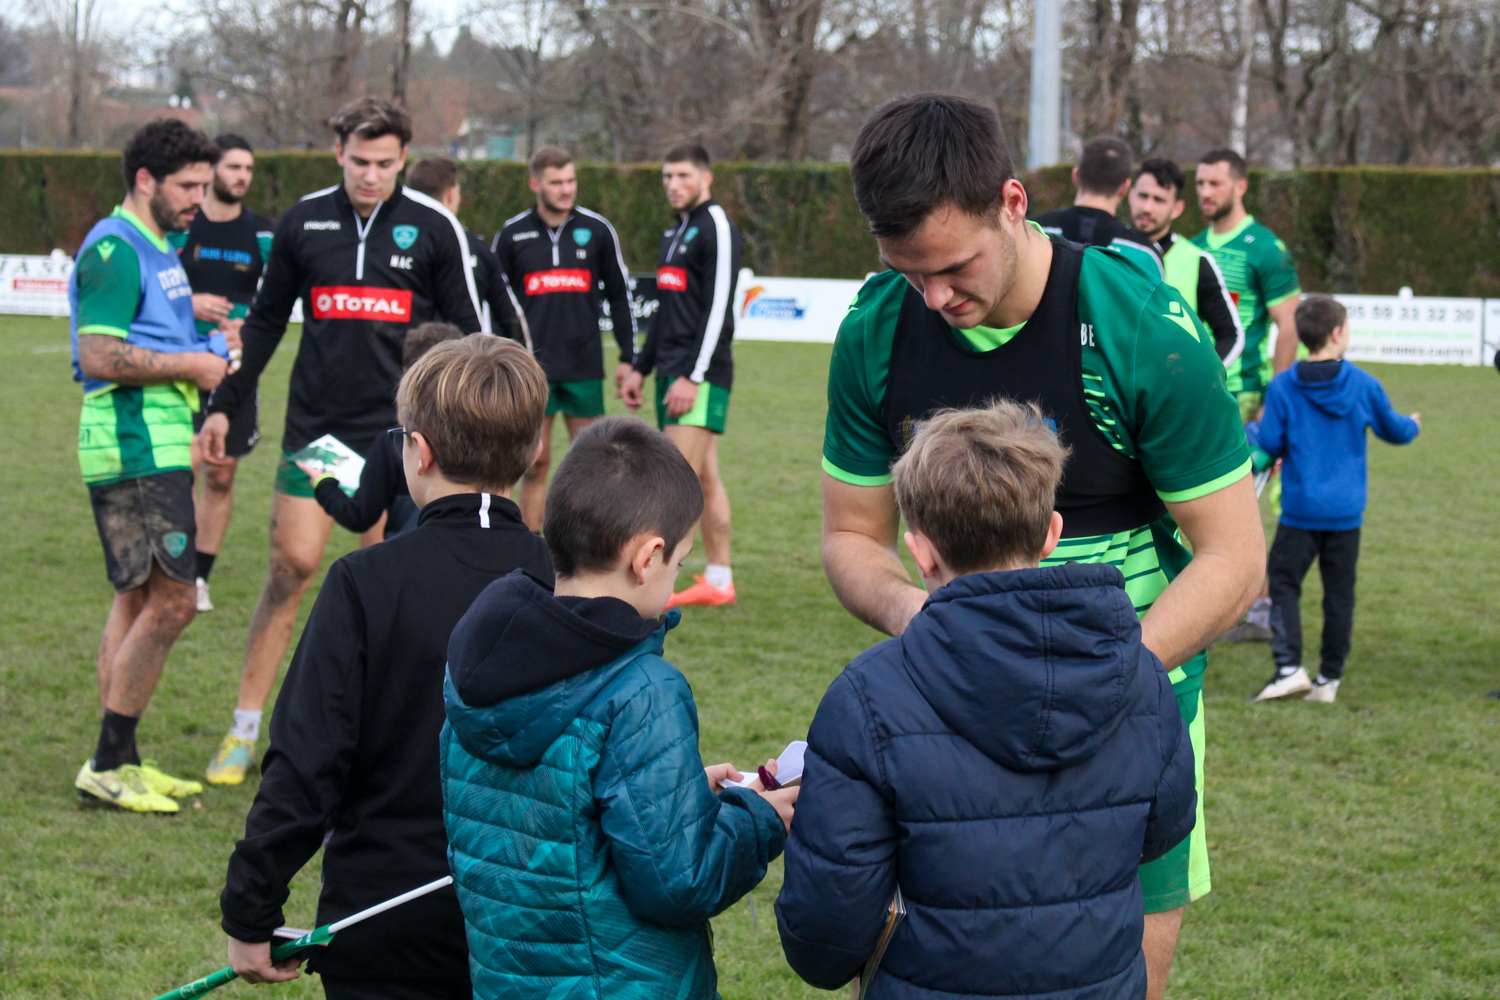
[(1009, 762), (1316, 415), (586, 845)]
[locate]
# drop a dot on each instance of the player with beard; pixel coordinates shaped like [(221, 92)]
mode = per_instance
[(224, 252), (1156, 201)]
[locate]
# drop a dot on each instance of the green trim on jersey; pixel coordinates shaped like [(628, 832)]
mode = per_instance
[(1153, 384), (1260, 273), (987, 338), (160, 242)]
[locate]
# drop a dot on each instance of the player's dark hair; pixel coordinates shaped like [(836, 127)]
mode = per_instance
[(165, 146), (1238, 169), (371, 118), (919, 152), (548, 158), (229, 140), (688, 152), (421, 339), (620, 478), (1165, 172), (1104, 164), (432, 176), (1317, 317)]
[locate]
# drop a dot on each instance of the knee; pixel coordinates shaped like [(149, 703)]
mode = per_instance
[(290, 575), (539, 466), (219, 478), (175, 605)]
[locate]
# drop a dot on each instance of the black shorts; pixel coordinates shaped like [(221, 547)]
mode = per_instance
[(244, 424), (146, 519)]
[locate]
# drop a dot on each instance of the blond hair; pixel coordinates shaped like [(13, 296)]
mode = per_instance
[(981, 484), (479, 403)]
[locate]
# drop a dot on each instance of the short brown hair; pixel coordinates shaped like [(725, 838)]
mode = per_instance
[(981, 484), (1317, 317), (421, 339), (432, 176), (1104, 164), (619, 479), (549, 157), (479, 402), (688, 152), (371, 118), (1238, 169)]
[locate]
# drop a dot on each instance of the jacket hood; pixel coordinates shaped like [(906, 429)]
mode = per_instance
[(522, 663), (1031, 666), (1336, 397)]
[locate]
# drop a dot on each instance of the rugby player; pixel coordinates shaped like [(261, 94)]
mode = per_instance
[(564, 263), (368, 258), (223, 253), (1156, 201), (1262, 278), (980, 304), (689, 348), (142, 364), (1102, 178)]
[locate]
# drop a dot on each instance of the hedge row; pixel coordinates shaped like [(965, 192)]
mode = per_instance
[(1354, 230)]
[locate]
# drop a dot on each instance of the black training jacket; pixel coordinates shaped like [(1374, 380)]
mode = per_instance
[(497, 302), (562, 277), (1093, 227), (696, 273), (354, 746), (362, 283)]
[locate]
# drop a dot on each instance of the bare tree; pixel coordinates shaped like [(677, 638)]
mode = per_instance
[(75, 32)]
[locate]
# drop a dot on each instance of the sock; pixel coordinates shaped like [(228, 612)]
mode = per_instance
[(718, 576), (206, 564), (1286, 671), (1326, 680), (1260, 613), (116, 742), (246, 725)]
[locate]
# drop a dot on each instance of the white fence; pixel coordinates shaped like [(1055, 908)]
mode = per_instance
[(1402, 329)]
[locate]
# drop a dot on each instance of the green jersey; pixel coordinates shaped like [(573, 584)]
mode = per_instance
[(125, 432), (1151, 381), (1259, 273)]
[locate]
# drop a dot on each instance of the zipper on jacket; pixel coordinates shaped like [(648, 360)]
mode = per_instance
[(556, 235), (678, 235), (363, 231)]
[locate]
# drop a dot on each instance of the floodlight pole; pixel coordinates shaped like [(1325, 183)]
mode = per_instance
[(1045, 134)]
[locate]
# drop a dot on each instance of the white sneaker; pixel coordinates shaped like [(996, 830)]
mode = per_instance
[(204, 604), (1284, 686), (1324, 690)]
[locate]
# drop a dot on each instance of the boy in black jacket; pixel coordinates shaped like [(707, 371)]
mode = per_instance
[(353, 762), (1008, 762)]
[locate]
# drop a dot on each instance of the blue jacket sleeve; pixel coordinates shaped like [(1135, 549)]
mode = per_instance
[(1389, 426), (1273, 424), (683, 854), (1174, 808), (841, 856)]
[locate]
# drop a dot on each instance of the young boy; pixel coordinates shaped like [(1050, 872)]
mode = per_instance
[(1008, 762), (1315, 420), (589, 844), (352, 765)]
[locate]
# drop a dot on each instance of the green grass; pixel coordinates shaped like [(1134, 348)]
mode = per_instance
[(1354, 846)]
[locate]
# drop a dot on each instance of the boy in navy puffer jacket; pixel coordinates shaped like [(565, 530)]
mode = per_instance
[(1008, 762), (589, 844)]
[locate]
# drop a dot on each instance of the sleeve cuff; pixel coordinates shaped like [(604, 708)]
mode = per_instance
[(108, 331), (852, 479), (1273, 303), (1212, 486), (240, 932)]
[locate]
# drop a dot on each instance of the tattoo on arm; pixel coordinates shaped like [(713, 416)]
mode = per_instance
[(113, 359)]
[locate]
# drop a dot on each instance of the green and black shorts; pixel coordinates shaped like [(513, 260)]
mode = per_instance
[(710, 411)]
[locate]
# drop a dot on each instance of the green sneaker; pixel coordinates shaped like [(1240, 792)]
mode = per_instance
[(124, 788), (163, 783), (235, 759)]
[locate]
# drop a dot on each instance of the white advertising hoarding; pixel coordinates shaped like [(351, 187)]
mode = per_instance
[(1415, 331), (35, 286), (1491, 330), (799, 309)]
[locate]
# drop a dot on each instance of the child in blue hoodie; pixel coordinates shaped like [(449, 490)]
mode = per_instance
[(1008, 762), (589, 844), (1315, 420)]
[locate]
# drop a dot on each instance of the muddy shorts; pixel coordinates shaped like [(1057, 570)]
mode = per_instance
[(145, 520)]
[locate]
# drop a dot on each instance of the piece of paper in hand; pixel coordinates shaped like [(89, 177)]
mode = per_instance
[(335, 458), (788, 766)]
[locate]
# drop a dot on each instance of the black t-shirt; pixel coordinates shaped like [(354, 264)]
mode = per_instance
[(226, 258), (1092, 227)]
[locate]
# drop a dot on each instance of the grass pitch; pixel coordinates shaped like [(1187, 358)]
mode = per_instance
[(1353, 846)]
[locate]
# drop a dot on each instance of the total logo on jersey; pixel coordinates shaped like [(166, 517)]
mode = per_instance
[(562, 279), (671, 279), (343, 302)]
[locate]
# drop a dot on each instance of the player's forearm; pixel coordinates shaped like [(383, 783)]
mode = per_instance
[(870, 581), (113, 359), (1284, 315)]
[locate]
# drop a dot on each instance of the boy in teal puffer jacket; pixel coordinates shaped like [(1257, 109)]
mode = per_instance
[(588, 843)]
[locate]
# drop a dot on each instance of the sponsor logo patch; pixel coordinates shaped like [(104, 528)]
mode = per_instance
[(582, 236), (404, 236), (557, 280), (687, 237), (671, 279), (529, 234), (175, 542), (344, 302), (331, 225), (759, 305)]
